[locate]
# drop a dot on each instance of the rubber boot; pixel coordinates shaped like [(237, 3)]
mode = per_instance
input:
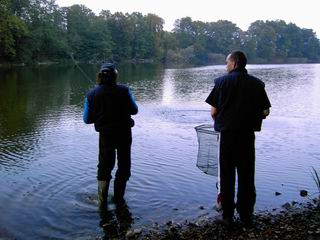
[(119, 191), (103, 187)]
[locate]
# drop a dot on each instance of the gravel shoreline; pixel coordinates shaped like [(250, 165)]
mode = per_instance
[(294, 221)]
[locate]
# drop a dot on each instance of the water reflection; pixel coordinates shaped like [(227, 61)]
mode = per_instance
[(116, 223), (168, 88), (144, 80)]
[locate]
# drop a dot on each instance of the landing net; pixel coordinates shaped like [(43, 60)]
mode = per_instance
[(208, 149)]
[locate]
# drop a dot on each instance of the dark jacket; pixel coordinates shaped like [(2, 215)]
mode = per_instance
[(109, 106), (240, 100)]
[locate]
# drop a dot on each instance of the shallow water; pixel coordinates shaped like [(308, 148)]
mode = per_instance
[(48, 156)]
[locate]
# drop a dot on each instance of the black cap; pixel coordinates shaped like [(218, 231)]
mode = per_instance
[(107, 67)]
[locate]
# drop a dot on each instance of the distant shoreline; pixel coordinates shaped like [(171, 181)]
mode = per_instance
[(258, 61)]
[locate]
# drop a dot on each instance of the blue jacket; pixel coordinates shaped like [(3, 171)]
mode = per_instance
[(109, 106)]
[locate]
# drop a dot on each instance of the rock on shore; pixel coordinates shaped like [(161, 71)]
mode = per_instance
[(295, 221)]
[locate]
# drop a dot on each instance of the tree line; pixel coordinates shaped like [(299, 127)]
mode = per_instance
[(34, 31)]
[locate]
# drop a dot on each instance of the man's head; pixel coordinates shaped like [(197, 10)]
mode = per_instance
[(236, 59), (108, 74)]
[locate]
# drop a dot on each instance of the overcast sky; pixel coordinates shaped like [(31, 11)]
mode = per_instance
[(304, 14)]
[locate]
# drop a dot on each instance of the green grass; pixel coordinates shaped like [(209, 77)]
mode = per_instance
[(316, 178)]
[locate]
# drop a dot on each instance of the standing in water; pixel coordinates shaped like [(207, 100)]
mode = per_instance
[(109, 106), (238, 102)]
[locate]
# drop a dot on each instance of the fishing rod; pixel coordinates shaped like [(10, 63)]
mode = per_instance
[(80, 69)]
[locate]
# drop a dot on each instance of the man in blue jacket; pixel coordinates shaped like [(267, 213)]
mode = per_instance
[(109, 106), (238, 104)]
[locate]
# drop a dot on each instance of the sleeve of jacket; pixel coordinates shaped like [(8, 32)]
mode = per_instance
[(263, 100), (88, 116), (133, 107), (213, 98)]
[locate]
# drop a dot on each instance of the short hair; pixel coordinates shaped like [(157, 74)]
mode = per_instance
[(239, 58)]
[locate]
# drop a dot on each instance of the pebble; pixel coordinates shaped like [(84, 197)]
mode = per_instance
[(133, 233), (286, 206), (303, 193), (297, 221)]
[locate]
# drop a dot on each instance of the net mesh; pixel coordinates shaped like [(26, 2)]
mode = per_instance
[(208, 149)]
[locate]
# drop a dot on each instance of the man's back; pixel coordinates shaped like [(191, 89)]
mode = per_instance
[(240, 99), (112, 106)]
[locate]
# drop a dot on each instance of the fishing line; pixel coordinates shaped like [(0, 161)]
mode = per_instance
[(80, 69)]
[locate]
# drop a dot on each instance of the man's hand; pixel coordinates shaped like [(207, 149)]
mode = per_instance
[(213, 112), (266, 113)]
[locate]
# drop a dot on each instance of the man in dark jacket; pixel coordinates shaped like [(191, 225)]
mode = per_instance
[(109, 106), (238, 104)]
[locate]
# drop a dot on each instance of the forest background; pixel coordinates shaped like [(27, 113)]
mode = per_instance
[(39, 31)]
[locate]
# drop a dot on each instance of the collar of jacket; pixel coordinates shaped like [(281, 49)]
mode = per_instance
[(241, 70)]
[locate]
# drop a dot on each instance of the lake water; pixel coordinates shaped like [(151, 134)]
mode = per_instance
[(48, 156)]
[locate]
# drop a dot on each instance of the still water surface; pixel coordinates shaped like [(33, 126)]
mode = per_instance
[(48, 156)]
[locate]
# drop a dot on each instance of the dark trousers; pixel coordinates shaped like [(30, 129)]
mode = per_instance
[(237, 155), (112, 143)]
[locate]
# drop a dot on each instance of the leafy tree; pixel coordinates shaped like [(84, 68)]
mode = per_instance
[(311, 46), (122, 34), (282, 39), (223, 36), (139, 43), (265, 38), (12, 30), (154, 29), (79, 20), (184, 32), (39, 30)]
